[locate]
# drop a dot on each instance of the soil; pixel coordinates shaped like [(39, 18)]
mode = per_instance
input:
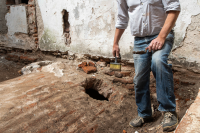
[(9, 69), (115, 117)]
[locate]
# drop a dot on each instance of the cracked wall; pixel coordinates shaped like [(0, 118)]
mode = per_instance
[(186, 50), (92, 27), (188, 53)]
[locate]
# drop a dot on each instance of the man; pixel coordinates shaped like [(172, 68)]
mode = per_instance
[(151, 22)]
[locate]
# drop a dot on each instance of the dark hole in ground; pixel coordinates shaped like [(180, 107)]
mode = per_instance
[(95, 94)]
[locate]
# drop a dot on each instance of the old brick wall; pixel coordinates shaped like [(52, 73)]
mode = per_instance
[(3, 11)]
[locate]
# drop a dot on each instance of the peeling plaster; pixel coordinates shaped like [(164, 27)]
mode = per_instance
[(188, 9), (92, 27)]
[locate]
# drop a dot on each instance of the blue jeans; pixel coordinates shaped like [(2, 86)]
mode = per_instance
[(156, 62)]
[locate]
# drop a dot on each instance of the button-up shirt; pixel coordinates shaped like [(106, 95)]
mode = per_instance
[(147, 17)]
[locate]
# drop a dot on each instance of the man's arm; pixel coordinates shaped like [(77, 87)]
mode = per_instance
[(158, 43), (118, 34)]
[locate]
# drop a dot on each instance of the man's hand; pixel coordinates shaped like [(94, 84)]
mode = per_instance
[(156, 44), (116, 50)]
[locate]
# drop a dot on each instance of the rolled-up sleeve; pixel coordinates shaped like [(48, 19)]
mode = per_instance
[(122, 17), (171, 5)]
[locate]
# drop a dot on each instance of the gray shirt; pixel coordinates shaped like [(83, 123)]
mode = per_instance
[(147, 17)]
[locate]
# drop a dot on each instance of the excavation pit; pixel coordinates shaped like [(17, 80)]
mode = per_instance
[(95, 95), (43, 101)]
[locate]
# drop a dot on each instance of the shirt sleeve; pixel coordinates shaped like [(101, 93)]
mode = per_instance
[(122, 17), (171, 5)]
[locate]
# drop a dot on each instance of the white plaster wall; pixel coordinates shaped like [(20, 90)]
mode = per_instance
[(92, 27), (189, 8), (16, 20)]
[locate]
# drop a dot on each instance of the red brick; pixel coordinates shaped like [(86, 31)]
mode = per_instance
[(51, 113), (12, 57), (124, 131), (83, 64), (91, 64), (123, 81), (89, 69), (10, 2), (27, 59), (36, 39), (103, 110), (35, 35), (130, 86), (70, 83), (30, 106), (125, 74)]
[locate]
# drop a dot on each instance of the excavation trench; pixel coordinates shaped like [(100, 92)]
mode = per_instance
[(101, 99)]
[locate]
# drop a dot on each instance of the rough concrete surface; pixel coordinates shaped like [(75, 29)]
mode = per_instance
[(53, 97), (189, 52)]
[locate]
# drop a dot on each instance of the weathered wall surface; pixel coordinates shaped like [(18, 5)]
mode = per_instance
[(16, 20), (186, 48), (3, 11), (92, 26), (21, 26)]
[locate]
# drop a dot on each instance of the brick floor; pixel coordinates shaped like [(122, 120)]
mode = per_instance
[(190, 123)]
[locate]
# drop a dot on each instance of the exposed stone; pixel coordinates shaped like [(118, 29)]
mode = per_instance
[(118, 75), (109, 72), (125, 74), (101, 64), (89, 69), (122, 74), (91, 64)]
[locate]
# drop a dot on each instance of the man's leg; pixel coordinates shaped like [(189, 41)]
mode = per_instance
[(164, 81), (142, 63)]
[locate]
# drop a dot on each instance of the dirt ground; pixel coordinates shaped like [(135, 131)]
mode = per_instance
[(9, 69), (116, 116)]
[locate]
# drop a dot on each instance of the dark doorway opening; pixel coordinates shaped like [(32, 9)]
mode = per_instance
[(24, 1), (95, 95)]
